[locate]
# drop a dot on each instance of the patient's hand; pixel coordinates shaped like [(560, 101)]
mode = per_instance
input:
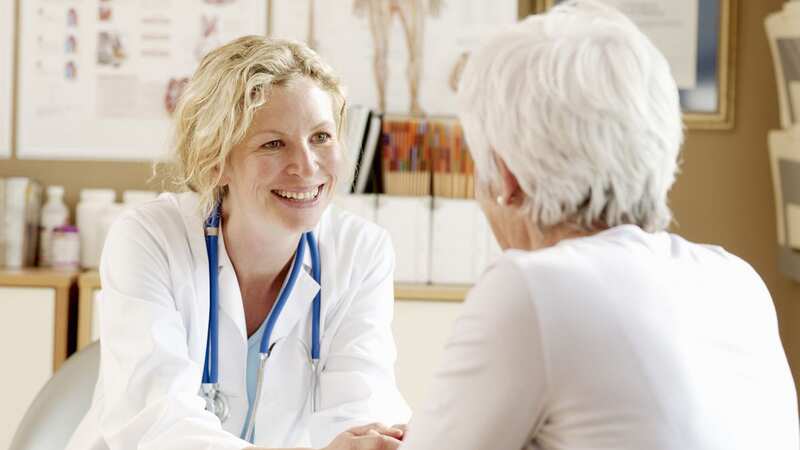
[(368, 437)]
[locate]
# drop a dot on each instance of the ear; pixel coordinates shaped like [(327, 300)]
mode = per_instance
[(509, 192), (225, 179)]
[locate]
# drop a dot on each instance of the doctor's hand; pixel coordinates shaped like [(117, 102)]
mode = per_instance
[(368, 437)]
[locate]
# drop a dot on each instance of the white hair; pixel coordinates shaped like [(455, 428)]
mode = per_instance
[(583, 110)]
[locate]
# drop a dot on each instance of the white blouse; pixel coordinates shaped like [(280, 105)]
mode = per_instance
[(622, 340)]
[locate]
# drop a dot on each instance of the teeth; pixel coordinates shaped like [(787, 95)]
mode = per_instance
[(301, 196)]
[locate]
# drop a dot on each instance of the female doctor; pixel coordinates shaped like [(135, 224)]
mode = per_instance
[(246, 311)]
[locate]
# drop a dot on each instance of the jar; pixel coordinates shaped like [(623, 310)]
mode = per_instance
[(66, 248)]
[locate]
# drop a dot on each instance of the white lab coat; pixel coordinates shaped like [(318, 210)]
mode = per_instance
[(153, 330)]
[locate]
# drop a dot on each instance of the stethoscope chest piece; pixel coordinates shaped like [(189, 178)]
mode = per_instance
[(216, 402)]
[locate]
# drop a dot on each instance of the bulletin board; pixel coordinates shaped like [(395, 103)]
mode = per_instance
[(99, 79), (7, 15), (396, 56)]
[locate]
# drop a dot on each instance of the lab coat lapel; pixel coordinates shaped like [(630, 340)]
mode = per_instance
[(230, 295), (298, 305)]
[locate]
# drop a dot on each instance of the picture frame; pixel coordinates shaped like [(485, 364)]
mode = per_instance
[(710, 104)]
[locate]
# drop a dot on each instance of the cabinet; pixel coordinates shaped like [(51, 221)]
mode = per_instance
[(34, 320)]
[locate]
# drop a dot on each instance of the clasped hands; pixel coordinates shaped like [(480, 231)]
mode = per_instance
[(374, 436)]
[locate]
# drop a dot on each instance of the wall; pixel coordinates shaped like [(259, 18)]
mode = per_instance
[(724, 195)]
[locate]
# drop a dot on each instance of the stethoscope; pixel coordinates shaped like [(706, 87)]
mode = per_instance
[(216, 401)]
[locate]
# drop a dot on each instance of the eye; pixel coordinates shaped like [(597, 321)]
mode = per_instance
[(273, 145), (321, 138)]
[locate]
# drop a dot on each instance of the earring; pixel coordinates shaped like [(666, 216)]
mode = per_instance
[(500, 200)]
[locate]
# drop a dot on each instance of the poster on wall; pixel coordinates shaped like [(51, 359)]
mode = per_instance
[(7, 14), (99, 79), (396, 56)]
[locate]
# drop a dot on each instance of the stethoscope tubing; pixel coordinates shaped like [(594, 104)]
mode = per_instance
[(210, 382)]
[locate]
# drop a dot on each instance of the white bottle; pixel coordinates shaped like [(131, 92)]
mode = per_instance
[(54, 214), (90, 210)]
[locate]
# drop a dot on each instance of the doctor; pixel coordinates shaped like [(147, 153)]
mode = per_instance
[(299, 348)]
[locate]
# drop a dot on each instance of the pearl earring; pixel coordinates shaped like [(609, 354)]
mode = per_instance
[(500, 200)]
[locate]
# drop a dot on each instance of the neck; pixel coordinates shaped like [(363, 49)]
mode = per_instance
[(259, 253), (521, 233)]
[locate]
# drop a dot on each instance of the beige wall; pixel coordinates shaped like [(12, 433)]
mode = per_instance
[(724, 195)]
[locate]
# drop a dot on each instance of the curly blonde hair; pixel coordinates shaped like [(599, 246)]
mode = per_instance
[(215, 111)]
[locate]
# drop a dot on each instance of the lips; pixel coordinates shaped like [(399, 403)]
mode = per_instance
[(300, 195)]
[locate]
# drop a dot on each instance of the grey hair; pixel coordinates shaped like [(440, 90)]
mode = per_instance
[(584, 111)]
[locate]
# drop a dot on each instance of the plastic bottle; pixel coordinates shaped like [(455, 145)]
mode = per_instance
[(66, 248), (90, 210), (54, 214)]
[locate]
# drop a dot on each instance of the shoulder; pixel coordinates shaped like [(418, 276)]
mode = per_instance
[(352, 236), (157, 229), (167, 215)]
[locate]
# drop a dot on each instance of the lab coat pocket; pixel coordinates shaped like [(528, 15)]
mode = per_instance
[(285, 396)]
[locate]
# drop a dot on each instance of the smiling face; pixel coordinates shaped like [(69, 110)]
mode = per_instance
[(283, 173)]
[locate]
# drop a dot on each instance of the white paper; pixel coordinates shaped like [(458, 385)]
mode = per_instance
[(343, 38), (672, 27), (95, 75), (7, 15)]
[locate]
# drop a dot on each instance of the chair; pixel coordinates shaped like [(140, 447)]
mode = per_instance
[(61, 404)]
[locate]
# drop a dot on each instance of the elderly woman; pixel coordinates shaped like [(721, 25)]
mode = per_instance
[(597, 329), (245, 311)]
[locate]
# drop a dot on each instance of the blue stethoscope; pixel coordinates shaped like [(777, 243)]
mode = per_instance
[(216, 401)]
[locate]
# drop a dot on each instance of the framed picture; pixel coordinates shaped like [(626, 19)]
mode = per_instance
[(698, 39)]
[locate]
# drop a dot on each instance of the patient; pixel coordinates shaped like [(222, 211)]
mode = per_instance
[(597, 329)]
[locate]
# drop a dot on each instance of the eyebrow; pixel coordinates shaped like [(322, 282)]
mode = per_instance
[(278, 132)]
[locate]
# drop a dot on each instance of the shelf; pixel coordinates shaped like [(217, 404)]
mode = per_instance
[(436, 292), (37, 277)]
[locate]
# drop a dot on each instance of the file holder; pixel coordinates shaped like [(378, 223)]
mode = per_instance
[(408, 221)]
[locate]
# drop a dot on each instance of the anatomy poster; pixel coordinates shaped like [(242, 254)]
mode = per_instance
[(6, 73), (397, 56), (99, 79)]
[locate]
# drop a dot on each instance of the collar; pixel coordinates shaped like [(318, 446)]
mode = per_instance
[(297, 305)]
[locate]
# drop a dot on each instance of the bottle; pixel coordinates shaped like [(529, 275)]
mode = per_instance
[(66, 248), (54, 214), (90, 210)]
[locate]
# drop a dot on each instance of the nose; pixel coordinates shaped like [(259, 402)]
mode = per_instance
[(304, 162)]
